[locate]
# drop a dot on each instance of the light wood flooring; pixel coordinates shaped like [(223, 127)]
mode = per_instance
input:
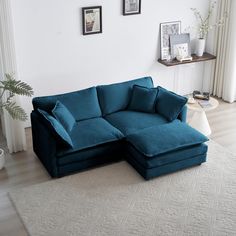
[(24, 169)]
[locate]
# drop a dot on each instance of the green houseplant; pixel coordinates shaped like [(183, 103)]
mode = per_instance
[(8, 89)]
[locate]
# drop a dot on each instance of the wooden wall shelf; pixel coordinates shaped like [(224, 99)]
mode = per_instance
[(206, 57)]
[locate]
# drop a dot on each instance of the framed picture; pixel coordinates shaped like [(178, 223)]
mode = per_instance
[(180, 50), (92, 20), (180, 43), (131, 7), (167, 29)]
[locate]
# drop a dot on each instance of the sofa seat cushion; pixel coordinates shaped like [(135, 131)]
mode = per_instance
[(129, 122), (82, 104), (91, 133), (111, 150), (165, 138), (116, 97), (169, 157)]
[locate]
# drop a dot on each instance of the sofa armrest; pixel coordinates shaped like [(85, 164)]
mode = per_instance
[(44, 144), (183, 114)]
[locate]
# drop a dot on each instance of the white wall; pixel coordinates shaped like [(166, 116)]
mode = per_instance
[(54, 57)]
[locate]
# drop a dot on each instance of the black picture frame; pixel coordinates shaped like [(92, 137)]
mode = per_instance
[(131, 7), (92, 20)]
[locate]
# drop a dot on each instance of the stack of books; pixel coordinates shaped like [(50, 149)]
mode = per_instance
[(204, 104)]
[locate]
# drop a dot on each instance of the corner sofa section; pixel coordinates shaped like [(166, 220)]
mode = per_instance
[(101, 134)]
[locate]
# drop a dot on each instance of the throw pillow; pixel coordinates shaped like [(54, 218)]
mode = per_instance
[(143, 99), (169, 104), (64, 116), (56, 127)]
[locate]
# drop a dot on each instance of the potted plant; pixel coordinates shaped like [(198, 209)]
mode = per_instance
[(204, 26), (8, 89)]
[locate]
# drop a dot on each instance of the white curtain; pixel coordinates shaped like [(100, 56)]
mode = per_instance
[(13, 130), (224, 80)]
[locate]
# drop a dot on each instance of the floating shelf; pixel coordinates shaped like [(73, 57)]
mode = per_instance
[(206, 57)]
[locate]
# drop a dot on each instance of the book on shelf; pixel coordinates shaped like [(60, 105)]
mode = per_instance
[(205, 104)]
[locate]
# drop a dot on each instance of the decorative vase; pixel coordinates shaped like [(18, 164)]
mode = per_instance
[(200, 47), (2, 158)]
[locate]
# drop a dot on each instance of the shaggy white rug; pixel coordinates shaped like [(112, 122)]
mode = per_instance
[(115, 200)]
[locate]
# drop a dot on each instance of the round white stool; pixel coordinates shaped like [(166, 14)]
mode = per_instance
[(199, 120)]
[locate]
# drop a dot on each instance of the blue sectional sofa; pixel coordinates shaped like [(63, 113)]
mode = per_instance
[(130, 120)]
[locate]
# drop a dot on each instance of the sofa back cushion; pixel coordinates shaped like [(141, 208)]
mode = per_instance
[(143, 99), (56, 127), (64, 116), (116, 97), (82, 104), (169, 104)]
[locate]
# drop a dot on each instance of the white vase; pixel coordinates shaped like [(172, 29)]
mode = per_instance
[(200, 47), (2, 158)]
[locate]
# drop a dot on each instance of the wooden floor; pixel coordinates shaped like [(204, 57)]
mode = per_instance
[(24, 169)]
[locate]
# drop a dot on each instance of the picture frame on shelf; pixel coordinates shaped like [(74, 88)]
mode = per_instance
[(180, 42), (180, 51), (92, 20), (167, 29), (131, 7)]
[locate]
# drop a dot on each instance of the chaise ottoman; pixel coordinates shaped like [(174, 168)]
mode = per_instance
[(163, 149)]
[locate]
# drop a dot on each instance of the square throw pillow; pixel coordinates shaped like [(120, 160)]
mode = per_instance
[(169, 104), (143, 99), (64, 116), (56, 127)]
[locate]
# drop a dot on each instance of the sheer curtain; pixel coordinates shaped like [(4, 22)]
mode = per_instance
[(13, 130), (224, 79)]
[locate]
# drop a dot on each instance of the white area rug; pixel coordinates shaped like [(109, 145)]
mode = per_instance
[(115, 200)]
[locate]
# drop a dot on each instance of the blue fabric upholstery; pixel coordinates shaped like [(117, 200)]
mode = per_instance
[(90, 133), (107, 149), (129, 122), (55, 126), (82, 104), (116, 97), (64, 116), (161, 139), (152, 143), (44, 143), (76, 166), (143, 99), (166, 169), (169, 104), (169, 157), (183, 114)]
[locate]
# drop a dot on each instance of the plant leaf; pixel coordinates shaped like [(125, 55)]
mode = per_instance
[(18, 87), (15, 111)]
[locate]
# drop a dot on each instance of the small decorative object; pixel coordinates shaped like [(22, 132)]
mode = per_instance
[(92, 20), (191, 100), (203, 96), (200, 47), (168, 29), (2, 158), (180, 42), (204, 26), (131, 7), (169, 58)]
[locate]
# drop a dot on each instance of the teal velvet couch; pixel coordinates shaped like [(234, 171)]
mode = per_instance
[(78, 130)]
